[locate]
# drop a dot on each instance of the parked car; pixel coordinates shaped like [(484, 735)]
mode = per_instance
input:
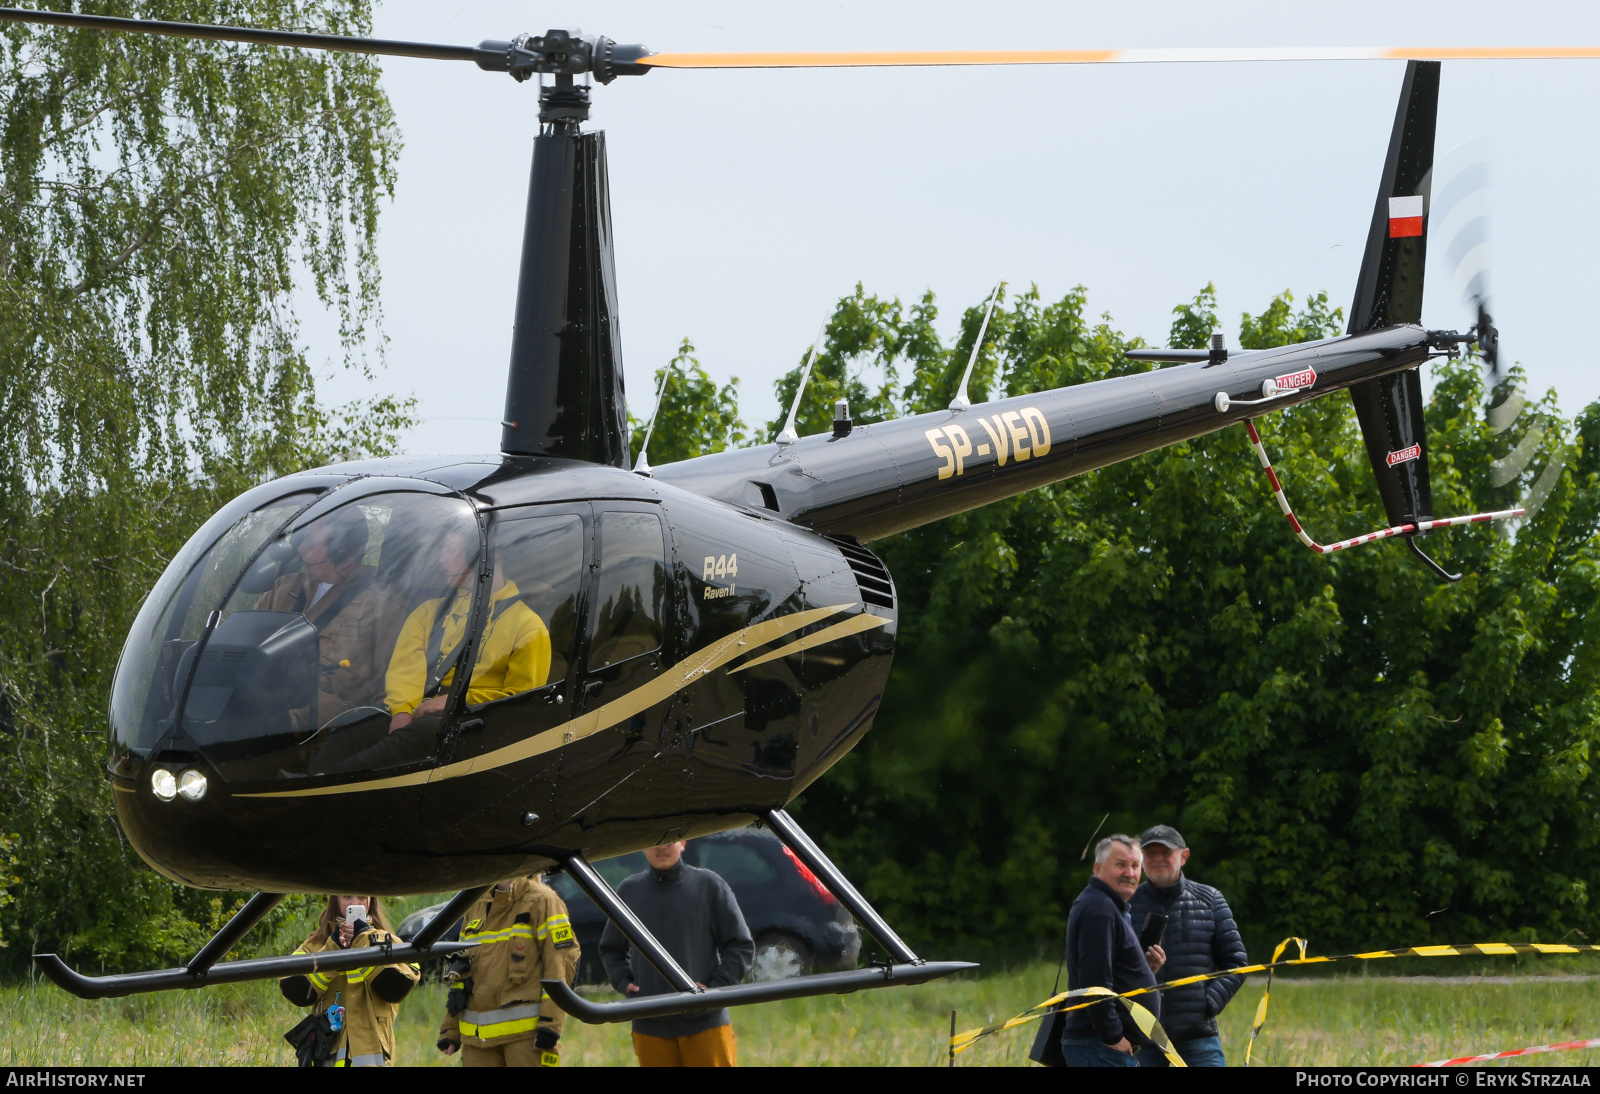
[(798, 926)]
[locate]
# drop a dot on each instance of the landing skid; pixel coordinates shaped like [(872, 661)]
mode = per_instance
[(207, 966), (907, 967), (204, 968)]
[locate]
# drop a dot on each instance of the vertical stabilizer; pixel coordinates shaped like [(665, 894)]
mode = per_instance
[(1389, 293)]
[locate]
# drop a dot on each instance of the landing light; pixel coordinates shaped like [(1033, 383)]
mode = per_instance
[(192, 785), (163, 785)]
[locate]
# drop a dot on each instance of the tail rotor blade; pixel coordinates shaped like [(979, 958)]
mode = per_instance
[(1488, 338), (1461, 207)]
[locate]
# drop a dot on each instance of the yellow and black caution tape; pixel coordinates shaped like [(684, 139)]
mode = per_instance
[(1147, 1022), (965, 1040), (1261, 1008)]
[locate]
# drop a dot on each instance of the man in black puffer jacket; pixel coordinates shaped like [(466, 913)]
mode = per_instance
[(1201, 937)]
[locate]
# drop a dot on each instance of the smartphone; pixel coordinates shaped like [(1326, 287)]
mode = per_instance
[(1154, 930), (359, 911)]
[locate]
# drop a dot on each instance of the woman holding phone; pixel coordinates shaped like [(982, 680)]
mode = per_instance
[(352, 1013)]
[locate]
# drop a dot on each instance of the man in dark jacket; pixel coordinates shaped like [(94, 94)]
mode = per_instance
[(1200, 937), (1103, 951), (692, 913)]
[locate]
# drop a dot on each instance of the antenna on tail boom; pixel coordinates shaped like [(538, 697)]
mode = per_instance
[(788, 435), (961, 402)]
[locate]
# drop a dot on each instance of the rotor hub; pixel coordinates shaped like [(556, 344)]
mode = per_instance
[(561, 53)]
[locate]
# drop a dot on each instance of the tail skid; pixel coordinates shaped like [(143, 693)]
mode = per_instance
[(1407, 530)]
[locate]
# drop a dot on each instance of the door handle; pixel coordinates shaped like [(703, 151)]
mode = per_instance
[(588, 691), (470, 724)]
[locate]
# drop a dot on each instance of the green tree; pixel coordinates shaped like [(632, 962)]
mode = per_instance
[(695, 417), (160, 200), (1359, 754)]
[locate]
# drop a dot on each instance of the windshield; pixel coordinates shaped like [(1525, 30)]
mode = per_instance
[(144, 696), (278, 651)]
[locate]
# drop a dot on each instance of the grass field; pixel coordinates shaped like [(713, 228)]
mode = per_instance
[(1351, 1019)]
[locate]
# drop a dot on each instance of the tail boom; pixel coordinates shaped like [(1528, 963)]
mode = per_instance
[(891, 476)]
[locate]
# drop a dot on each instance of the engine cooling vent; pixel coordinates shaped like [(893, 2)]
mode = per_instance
[(872, 576)]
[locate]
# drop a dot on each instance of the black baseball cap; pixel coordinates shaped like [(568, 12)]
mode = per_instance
[(1164, 834)]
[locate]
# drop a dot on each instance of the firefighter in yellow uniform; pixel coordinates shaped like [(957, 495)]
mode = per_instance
[(370, 996), (497, 1013)]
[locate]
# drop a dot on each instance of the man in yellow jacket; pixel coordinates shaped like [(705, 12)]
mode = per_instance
[(497, 1013), (513, 656), (370, 996)]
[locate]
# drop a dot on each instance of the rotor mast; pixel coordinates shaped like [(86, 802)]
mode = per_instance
[(564, 389)]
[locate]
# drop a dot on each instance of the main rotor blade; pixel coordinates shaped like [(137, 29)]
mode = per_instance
[(890, 59), (336, 42)]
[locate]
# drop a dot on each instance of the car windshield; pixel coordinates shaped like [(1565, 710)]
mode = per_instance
[(275, 656)]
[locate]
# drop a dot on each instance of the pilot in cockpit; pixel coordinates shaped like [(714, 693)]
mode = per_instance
[(513, 656), (356, 616)]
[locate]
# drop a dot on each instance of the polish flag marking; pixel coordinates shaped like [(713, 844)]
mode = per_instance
[(1405, 217), (1404, 455), (1303, 378)]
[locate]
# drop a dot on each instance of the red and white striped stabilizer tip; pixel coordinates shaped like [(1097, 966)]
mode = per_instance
[(1564, 1046), (1370, 537)]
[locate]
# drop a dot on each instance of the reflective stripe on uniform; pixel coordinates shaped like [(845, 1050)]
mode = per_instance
[(518, 930), (504, 1022), (342, 1058), (318, 980), (357, 976), (557, 927)]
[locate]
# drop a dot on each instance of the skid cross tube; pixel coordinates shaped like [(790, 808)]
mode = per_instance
[(254, 911), (906, 968), (794, 838), (606, 899)]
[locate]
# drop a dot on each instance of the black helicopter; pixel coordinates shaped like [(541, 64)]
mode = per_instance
[(700, 641)]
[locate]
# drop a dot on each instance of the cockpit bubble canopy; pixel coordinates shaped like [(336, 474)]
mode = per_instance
[(273, 631)]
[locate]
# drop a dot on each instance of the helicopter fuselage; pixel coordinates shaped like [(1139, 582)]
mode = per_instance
[(773, 649)]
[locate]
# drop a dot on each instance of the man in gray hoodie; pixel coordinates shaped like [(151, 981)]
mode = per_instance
[(692, 913)]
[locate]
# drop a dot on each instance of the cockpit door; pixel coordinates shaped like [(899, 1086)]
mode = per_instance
[(521, 699), (626, 748)]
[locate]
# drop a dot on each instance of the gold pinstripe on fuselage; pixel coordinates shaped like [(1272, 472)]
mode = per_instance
[(679, 676)]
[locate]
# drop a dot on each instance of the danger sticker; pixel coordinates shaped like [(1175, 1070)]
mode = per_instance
[(1404, 454), (1303, 378)]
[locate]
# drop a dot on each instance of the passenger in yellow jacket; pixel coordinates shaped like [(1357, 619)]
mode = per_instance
[(370, 996), (513, 656), (497, 1012)]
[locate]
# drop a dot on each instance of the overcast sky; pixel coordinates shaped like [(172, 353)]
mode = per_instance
[(745, 203)]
